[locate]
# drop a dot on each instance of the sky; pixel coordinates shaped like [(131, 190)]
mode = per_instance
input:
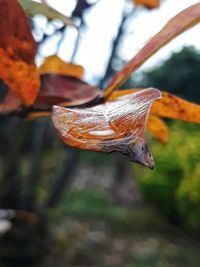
[(102, 23)]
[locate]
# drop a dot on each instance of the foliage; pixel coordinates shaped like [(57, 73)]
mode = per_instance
[(174, 186), (106, 137)]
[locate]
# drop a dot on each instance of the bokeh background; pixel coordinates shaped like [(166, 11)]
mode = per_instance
[(80, 208)]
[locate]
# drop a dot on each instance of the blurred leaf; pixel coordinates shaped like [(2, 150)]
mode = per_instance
[(173, 107), (178, 24), (33, 8), (117, 125), (147, 3), (17, 53), (53, 64), (11, 102), (57, 88), (158, 129)]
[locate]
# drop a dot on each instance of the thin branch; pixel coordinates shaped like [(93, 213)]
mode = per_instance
[(125, 16), (36, 156), (63, 181)]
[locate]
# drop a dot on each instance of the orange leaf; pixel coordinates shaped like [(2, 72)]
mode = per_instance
[(158, 129), (148, 3), (117, 125), (37, 115), (181, 22), (173, 107), (54, 64), (17, 52)]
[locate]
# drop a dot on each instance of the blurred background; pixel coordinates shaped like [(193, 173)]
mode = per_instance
[(65, 207)]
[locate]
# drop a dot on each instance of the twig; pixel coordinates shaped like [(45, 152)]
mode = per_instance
[(63, 181), (36, 156)]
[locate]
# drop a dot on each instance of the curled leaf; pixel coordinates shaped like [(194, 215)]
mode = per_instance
[(169, 106), (17, 53), (117, 125), (178, 24), (55, 65)]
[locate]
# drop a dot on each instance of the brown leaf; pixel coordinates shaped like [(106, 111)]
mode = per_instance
[(178, 24), (17, 52), (56, 88), (147, 3), (55, 65), (117, 125), (11, 102)]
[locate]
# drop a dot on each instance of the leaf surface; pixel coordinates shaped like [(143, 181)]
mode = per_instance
[(178, 24), (17, 52), (169, 106), (117, 125), (158, 128), (147, 3), (56, 88), (173, 107), (53, 64)]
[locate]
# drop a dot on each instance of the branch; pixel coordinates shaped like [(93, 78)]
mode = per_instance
[(63, 181)]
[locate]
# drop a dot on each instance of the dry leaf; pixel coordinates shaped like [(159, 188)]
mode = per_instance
[(169, 106), (56, 88), (158, 129), (147, 3), (55, 65), (178, 24), (173, 107), (117, 125), (17, 52)]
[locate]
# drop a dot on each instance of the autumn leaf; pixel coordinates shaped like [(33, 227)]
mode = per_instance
[(53, 64), (17, 53), (117, 125), (11, 102), (56, 89), (158, 128), (178, 24), (174, 107), (169, 106), (147, 3)]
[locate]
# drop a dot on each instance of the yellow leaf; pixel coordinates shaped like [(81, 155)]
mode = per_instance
[(54, 64), (158, 129), (173, 107)]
